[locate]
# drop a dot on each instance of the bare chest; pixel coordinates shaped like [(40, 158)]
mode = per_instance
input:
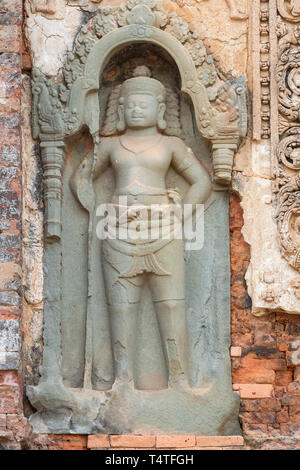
[(153, 156)]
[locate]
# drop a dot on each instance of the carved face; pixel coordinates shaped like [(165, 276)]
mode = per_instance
[(142, 111)]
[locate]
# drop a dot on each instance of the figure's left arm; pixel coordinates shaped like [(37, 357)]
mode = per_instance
[(187, 165)]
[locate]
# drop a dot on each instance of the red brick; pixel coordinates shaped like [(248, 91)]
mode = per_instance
[(175, 442), (8, 377), (132, 441), (9, 399), (2, 421), (252, 361), (253, 390), (67, 442), (256, 376), (98, 441), (258, 418), (219, 441), (282, 416), (284, 377)]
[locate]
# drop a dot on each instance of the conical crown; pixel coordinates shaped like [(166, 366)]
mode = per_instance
[(141, 83)]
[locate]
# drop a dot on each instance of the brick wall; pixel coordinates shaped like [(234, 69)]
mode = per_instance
[(10, 218), (262, 371)]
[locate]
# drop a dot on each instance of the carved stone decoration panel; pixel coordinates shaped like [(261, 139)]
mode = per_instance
[(136, 334), (286, 141)]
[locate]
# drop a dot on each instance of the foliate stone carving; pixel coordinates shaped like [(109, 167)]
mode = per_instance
[(289, 10), (286, 170)]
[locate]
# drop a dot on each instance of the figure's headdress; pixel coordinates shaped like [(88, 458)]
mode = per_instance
[(142, 83)]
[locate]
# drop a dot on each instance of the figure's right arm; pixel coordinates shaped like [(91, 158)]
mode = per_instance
[(82, 180), (102, 157)]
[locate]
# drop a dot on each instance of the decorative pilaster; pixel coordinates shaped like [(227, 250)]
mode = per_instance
[(53, 156)]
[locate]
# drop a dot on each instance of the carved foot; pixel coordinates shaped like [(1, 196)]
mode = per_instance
[(49, 395)]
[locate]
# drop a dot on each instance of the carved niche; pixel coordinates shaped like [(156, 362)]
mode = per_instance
[(116, 51)]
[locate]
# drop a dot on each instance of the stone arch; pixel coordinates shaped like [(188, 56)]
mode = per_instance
[(84, 89)]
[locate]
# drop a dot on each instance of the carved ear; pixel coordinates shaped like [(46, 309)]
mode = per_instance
[(121, 126), (162, 125)]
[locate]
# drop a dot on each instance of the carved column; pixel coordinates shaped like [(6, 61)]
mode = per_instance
[(53, 160), (223, 153)]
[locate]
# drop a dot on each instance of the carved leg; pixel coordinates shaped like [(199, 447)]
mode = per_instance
[(172, 325), (123, 319)]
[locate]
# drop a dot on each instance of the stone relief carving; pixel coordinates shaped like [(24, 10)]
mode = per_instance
[(62, 110), (235, 12), (270, 291), (289, 10), (141, 109), (260, 32), (286, 188), (55, 9)]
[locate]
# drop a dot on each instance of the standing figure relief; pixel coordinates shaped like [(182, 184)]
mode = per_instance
[(140, 158)]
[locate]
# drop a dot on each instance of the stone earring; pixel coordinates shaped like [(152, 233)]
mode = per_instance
[(121, 126), (162, 125)]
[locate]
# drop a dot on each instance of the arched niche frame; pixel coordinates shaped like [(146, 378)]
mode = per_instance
[(62, 108)]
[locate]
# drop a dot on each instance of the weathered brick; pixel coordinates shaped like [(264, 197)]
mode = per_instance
[(10, 38), (284, 377), (2, 421), (67, 442), (9, 298), (9, 377), (283, 416), (98, 441), (253, 390), (175, 442), (9, 154), (10, 19), (258, 418), (7, 6), (219, 441), (10, 60), (258, 376), (9, 335), (9, 206), (6, 177), (252, 361), (9, 360), (132, 441), (16, 423), (9, 399), (10, 79)]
